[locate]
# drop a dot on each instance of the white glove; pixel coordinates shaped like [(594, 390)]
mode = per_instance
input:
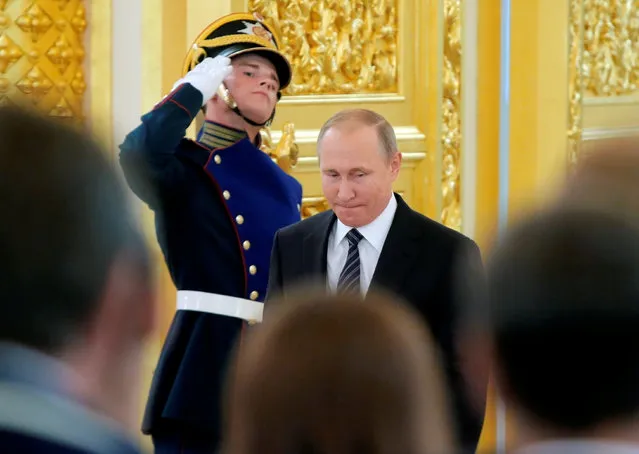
[(207, 76)]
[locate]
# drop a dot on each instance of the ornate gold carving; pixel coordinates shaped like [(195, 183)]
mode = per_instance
[(34, 21), (313, 205), (604, 57), (41, 55), (336, 47), (451, 111), (9, 53), (611, 47), (576, 78), (286, 152)]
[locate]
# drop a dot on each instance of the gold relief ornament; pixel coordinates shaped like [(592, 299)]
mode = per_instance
[(575, 79), (313, 205), (610, 47), (286, 152), (451, 116), (336, 47), (42, 55), (604, 57)]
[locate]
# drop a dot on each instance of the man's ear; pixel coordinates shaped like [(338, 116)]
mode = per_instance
[(396, 163)]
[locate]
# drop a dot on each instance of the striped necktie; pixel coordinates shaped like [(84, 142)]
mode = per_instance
[(349, 278)]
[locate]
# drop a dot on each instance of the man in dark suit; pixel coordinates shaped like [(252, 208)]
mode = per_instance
[(76, 288), (372, 238)]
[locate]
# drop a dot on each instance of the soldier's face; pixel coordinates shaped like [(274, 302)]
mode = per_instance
[(254, 85), (357, 176)]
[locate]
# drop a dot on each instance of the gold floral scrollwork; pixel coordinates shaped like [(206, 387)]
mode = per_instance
[(604, 57), (451, 112), (611, 46), (336, 46), (286, 152), (42, 56), (576, 79), (313, 205)]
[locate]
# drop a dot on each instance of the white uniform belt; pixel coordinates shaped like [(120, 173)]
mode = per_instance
[(214, 303)]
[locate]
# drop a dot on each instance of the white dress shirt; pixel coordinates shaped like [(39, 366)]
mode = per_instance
[(370, 247)]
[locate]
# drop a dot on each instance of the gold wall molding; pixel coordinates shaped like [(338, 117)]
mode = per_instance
[(309, 136), (593, 134), (451, 116), (336, 46), (311, 163), (622, 100), (42, 55), (342, 99)]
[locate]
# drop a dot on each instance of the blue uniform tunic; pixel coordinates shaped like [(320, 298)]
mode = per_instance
[(216, 214)]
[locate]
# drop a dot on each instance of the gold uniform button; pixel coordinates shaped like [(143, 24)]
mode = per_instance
[(239, 219), (246, 245), (252, 269), (217, 159), (226, 194), (254, 295)]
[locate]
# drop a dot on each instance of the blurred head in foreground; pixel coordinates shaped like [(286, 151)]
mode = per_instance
[(74, 272), (331, 375), (562, 324)]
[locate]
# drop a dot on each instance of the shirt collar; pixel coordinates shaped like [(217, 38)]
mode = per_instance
[(31, 367), (374, 232)]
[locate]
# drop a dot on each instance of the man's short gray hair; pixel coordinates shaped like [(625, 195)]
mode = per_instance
[(359, 117)]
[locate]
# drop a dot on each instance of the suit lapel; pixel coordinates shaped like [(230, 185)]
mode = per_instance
[(400, 250), (316, 244)]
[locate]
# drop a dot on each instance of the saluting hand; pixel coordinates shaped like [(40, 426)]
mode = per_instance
[(207, 76)]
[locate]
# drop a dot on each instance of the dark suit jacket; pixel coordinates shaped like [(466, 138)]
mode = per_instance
[(420, 262)]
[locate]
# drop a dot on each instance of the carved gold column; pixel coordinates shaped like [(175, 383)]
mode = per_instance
[(451, 116), (575, 85), (42, 55)]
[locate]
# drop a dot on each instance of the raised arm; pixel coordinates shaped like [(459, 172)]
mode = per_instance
[(147, 155)]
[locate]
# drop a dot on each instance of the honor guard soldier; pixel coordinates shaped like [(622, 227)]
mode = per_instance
[(218, 202)]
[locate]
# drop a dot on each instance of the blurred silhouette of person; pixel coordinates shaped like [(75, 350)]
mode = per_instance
[(76, 288), (335, 375), (561, 328)]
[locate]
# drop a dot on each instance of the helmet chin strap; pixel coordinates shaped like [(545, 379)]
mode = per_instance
[(230, 102), (251, 122)]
